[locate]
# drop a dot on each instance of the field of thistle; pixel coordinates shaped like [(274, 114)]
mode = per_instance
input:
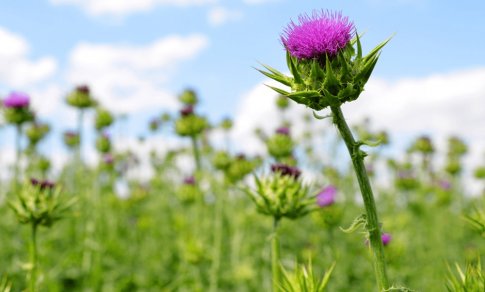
[(295, 219)]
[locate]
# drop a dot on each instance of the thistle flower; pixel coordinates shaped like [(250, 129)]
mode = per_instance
[(103, 119), (40, 203), (322, 34), (327, 196), (286, 170), (190, 180), (187, 111), (386, 238), (16, 100), (283, 131), (108, 159), (71, 139), (282, 194), (81, 97), (16, 108), (325, 61)]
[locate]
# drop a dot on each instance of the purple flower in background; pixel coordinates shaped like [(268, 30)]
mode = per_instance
[(444, 185), (187, 111), (327, 196), (83, 89), (16, 100), (386, 238), (283, 131), (190, 180), (43, 185), (108, 159), (284, 169), (322, 33)]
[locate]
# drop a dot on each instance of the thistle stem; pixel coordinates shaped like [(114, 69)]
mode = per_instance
[(195, 148), (18, 154), (33, 258), (367, 196), (216, 253), (275, 256), (80, 119)]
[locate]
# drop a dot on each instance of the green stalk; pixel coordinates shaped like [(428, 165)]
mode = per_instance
[(216, 253), (367, 196), (275, 257), (33, 258), (18, 154), (80, 119), (195, 148)]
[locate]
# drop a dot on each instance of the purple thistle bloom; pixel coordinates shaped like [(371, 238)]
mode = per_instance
[(83, 89), (283, 131), (284, 170), (16, 100), (190, 180), (108, 159), (187, 111), (327, 196), (70, 134), (322, 33), (386, 238), (445, 185), (43, 185)]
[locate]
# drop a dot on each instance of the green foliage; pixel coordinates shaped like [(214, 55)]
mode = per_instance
[(472, 279), (304, 280)]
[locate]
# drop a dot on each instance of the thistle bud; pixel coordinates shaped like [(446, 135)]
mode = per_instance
[(71, 139), (40, 203), (190, 124), (282, 194), (36, 132), (103, 143), (103, 119), (281, 144), (81, 97), (188, 97)]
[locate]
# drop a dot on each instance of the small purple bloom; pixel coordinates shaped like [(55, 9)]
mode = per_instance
[(187, 111), (83, 89), (108, 159), (286, 170), (283, 131), (445, 185), (190, 180), (327, 196), (43, 185), (70, 134), (386, 238), (241, 156), (322, 33), (16, 100)]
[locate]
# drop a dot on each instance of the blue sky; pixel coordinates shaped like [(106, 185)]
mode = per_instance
[(156, 48)]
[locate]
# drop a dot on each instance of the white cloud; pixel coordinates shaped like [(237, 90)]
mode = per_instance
[(125, 7), (439, 105), (16, 69), (220, 15), (126, 78)]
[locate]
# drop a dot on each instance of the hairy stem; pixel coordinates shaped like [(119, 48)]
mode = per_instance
[(365, 188), (195, 148), (275, 257), (216, 252), (33, 258)]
